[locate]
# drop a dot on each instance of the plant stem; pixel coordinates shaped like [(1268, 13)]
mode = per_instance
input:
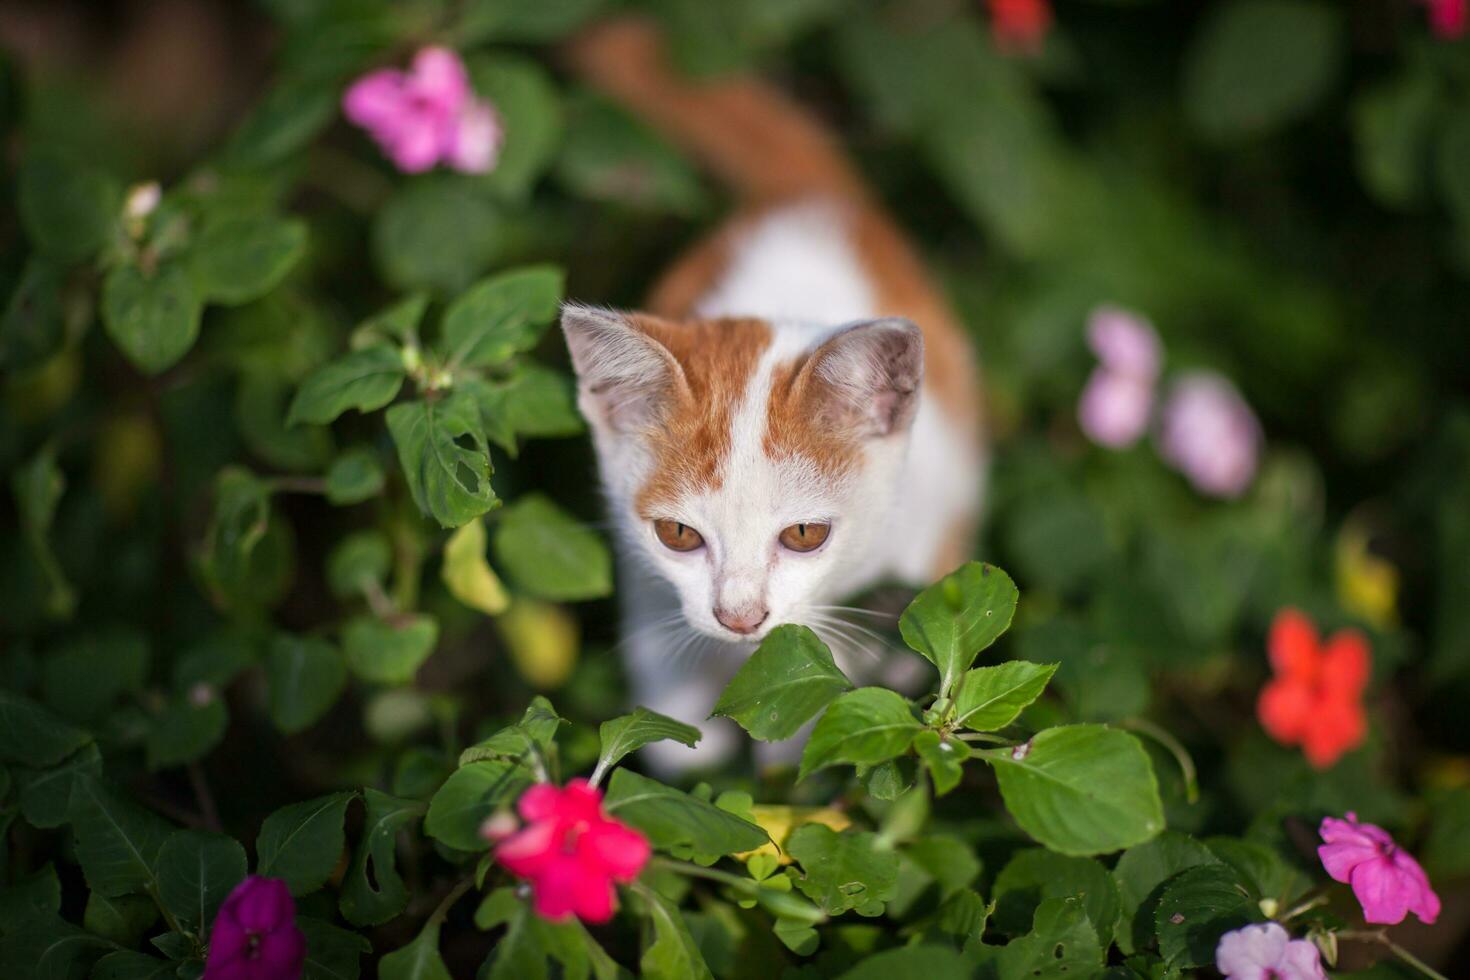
[(298, 484), (982, 737), (441, 913), (1175, 748), (1380, 936), (711, 874), (207, 809)]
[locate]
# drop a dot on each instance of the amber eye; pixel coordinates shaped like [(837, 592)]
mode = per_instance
[(805, 537), (676, 536)]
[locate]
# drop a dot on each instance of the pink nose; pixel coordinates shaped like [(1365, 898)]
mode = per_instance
[(744, 622)]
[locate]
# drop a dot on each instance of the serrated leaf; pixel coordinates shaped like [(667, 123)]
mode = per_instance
[(33, 736), (501, 316), (153, 317), (944, 756), (466, 573), (47, 947), (957, 617), (990, 698), (1062, 945), (863, 727), (1080, 789), (534, 401), (533, 733), (117, 840), (441, 447), (790, 677), (305, 675), (45, 796), (419, 960), (1196, 908), (843, 871), (1141, 873), (673, 819), (123, 919), (550, 554), (389, 653), (242, 257), (365, 379), (470, 794), (673, 955), (303, 842), (196, 871), (628, 733), (1034, 875), (373, 892)]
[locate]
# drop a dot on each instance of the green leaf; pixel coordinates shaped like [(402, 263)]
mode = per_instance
[(441, 446), (1034, 875), (788, 679), (33, 736), (153, 317), (948, 860), (261, 403), (365, 379), (1062, 945), (673, 955), (1257, 65), (842, 871), (518, 742), (466, 573), (1080, 789), (531, 113), (610, 155), (34, 327), (675, 820), (332, 953), (389, 653), (627, 733), (357, 562), (38, 893), (373, 892), (117, 840), (419, 960), (501, 316), (69, 209), (290, 115), (926, 961), (1141, 873), (957, 617), (302, 843), (439, 232), (492, 20), (354, 476), (45, 796), (124, 964), (1196, 908), (305, 675), (123, 919), (862, 727), (1393, 125), (38, 486), (990, 698), (944, 756), (468, 797), (243, 257), (87, 675), (186, 730), (246, 559), (394, 325), (196, 870), (533, 401), (46, 947), (550, 554)]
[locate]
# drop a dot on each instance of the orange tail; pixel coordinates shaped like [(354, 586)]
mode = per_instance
[(748, 133)]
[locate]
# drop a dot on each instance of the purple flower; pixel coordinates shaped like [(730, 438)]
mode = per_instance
[(426, 115), (254, 936), (1210, 435), (1124, 342), (1114, 408), (1386, 879), (1267, 952)]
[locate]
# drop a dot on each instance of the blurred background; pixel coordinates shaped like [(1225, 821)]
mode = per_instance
[(1281, 188)]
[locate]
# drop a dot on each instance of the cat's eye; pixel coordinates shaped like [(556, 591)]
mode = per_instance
[(676, 536), (805, 537)]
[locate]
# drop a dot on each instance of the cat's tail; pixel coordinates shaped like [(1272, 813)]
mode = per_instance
[(749, 134)]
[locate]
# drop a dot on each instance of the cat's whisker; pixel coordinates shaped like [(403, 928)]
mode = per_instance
[(856, 611)]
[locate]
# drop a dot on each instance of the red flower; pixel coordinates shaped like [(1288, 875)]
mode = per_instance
[(571, 852), (1316, 698), (1449, 18), (1019, 25)]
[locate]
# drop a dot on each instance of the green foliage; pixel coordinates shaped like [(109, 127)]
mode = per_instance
[(196, 870), (864, 727), (679, 821), (302, 843), (952, 621), (844, 871), (441, 446), (788, 679), (549, 554), (628, 733)]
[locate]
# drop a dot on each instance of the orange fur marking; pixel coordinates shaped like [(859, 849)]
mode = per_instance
[(795, 425), (717, 358)]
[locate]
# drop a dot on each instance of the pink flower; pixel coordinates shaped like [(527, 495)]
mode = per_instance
[(1267, 952), (1449, 18), (1210, 435), (255, 936), (1386, 879), (571, 852), (1124, 342), (1114, 408), (427, 115), (1020, 25)]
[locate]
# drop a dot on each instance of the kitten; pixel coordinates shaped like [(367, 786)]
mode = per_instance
[(796, 416)]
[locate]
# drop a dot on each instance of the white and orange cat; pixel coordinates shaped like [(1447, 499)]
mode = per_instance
[(796, 416)]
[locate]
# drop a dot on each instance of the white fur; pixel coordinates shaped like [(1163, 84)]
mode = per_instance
[(796, 269)]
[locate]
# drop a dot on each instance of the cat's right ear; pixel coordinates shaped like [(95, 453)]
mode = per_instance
[(624, 377)]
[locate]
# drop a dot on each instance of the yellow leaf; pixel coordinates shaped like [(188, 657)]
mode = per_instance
[(542, 639), (127, 462), (467, 574), (1367, 585), (780, 821)]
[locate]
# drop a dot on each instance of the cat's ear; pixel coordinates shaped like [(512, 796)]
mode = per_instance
[(870, 374), (624, 377)]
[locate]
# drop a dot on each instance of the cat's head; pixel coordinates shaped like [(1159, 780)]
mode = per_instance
[(750, 463)]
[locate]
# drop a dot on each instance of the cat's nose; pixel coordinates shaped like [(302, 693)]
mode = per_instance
[(743, 621)]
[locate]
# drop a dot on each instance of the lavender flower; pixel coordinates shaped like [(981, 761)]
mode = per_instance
[(1210, 434)]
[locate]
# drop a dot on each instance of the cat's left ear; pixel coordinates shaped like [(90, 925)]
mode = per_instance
[(870, 374)]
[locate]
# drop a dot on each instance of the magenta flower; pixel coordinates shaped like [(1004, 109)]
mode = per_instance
[(1449, 18), (254, 936), (1115, 406), (1267, 952), (571, 852), (427, 115), (1210, 434), (1386, 879)]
